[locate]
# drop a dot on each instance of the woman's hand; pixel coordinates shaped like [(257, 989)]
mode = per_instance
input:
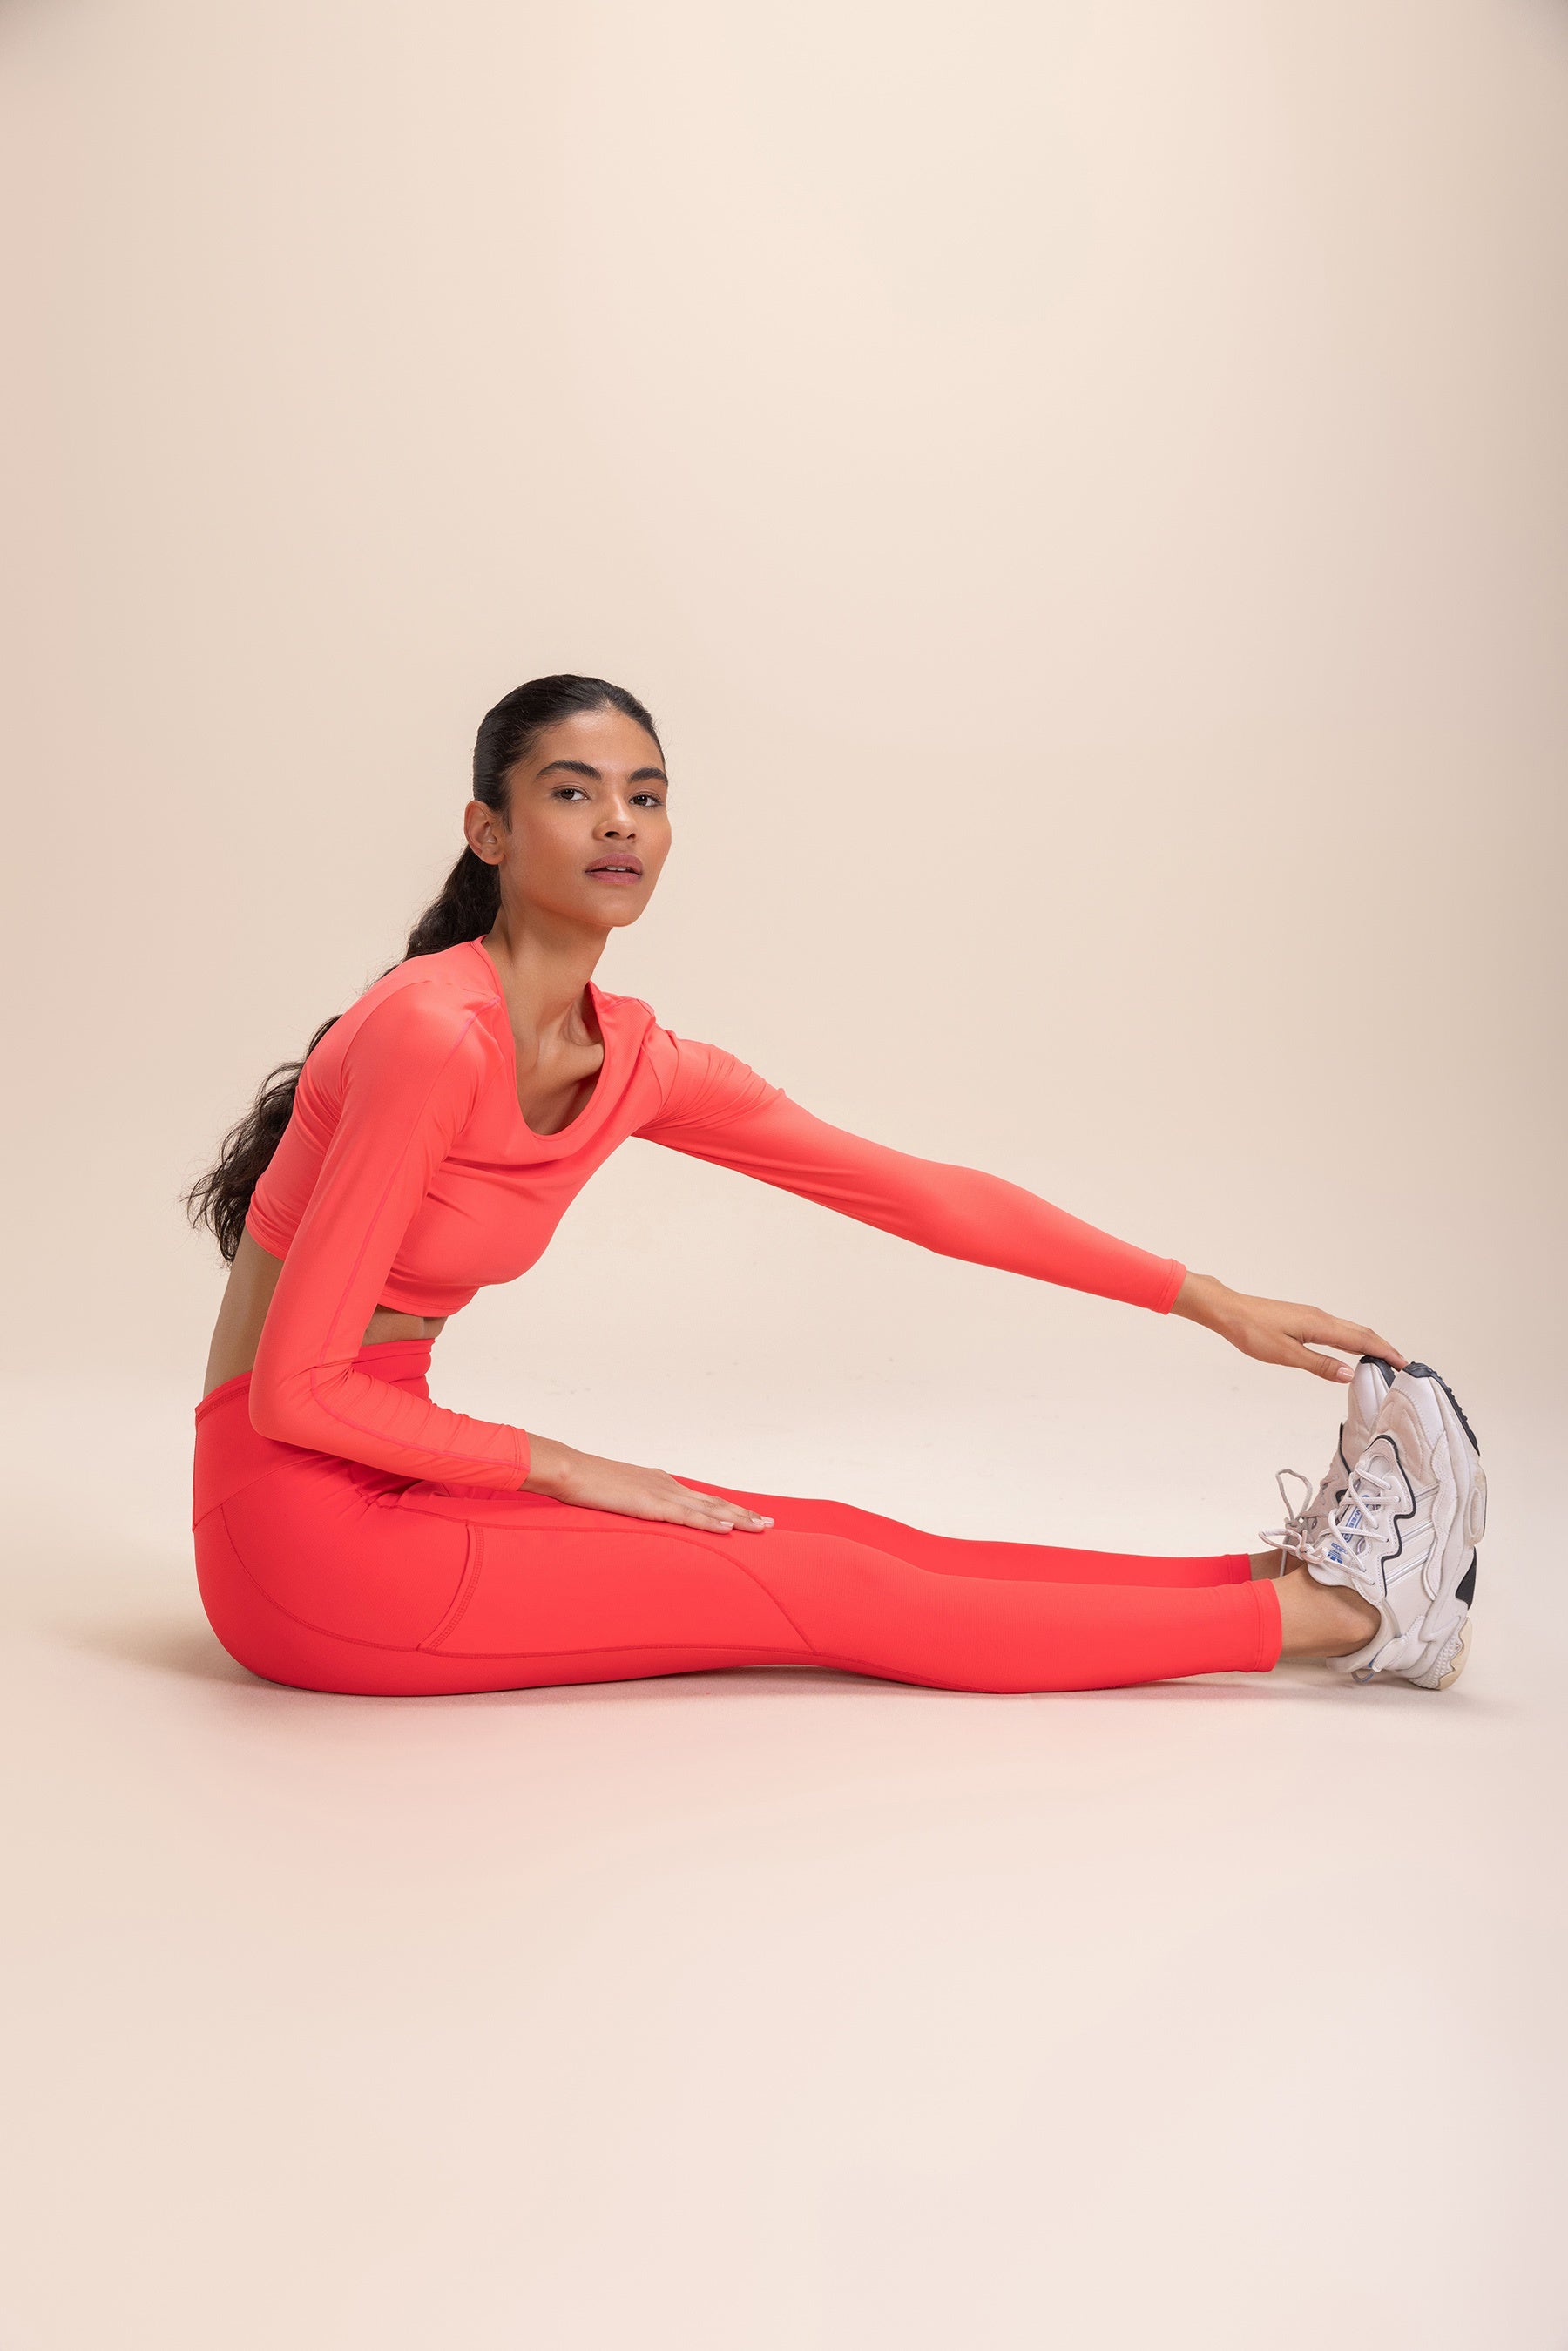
[(595, 1484), (1275, 1332)]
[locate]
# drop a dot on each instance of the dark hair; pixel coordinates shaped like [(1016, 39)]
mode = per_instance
[(466, 908)]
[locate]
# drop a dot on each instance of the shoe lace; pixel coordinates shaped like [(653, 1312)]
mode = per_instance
[(1293, 1537), (1367, 1496)]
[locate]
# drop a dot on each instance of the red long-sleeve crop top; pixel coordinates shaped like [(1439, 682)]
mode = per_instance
[(408, 1177)]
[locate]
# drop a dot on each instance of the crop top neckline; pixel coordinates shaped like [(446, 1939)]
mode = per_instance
[(604, 1079)]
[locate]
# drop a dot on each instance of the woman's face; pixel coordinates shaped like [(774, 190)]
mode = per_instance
[(587, 828)]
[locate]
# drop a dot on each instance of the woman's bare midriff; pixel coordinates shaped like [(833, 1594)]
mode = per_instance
[(253, 1277)]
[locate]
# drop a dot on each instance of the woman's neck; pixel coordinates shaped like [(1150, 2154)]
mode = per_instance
[(544, 979)]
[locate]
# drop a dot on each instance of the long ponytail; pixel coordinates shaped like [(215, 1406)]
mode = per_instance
[(466, 908)]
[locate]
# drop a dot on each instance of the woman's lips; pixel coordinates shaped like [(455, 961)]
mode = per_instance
[(616, 872)]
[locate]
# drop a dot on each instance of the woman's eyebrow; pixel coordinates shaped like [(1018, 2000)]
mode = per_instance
[(581, 768)]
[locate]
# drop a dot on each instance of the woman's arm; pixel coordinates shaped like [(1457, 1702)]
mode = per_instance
[(715, 1108), (409, 1079)]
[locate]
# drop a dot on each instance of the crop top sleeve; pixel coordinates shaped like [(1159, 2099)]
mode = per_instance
[(407, 1082), (715, 1108)]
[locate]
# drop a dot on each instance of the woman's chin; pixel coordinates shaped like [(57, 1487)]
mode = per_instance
[(614, 904)]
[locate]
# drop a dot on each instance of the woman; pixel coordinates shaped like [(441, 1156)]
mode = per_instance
[(353, 1535)]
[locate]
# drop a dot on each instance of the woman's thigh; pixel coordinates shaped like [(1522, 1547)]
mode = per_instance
[(341, 1581)]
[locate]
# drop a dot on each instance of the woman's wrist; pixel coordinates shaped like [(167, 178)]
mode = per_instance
[(549, 1467), (1199, 1299)]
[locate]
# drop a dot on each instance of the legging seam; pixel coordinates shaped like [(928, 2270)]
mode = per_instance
[(467, 1584), (391, 1502), (234, 1493), (771, 1597), (747, 1649)]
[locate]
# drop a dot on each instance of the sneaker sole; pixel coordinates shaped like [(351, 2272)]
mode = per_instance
[(1461, 1658)]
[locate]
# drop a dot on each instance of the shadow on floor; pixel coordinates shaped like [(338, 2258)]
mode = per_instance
[(188, 1650)]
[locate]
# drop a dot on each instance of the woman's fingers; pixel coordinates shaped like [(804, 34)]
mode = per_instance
[(628, 1489), (1274, 1332), (705, 1510), (1354, 1337), (1327, 1367), (686, 1514), (719, 1516)]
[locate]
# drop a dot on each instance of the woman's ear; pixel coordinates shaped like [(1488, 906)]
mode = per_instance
[(483, 831)]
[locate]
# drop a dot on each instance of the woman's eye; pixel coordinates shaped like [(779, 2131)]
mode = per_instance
[(569, 788), (652, 798)]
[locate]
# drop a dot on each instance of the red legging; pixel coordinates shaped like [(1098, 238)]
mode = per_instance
[(322, 1573)]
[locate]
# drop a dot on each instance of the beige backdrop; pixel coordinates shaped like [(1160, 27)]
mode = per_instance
[(1083, 490)]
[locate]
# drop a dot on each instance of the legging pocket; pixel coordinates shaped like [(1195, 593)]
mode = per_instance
[(326, 1544)]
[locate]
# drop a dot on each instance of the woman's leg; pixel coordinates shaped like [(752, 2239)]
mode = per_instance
[(334, 1582), (319, 1573), (1321, 1619)]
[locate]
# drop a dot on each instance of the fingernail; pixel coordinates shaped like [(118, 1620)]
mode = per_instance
[(1342, 1372)]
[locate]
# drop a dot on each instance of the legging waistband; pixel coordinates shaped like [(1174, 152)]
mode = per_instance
[(231, 1455), (397, 1361)]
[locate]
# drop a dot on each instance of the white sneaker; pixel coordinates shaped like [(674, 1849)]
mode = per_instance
[(1404, 1534), (1306, 1524)]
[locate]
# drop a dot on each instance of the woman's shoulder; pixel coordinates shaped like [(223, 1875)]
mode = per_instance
[(418, 1016), (698, 1081), (450, 986)]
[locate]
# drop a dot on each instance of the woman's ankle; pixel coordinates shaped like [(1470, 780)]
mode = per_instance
[(1322, 1620)]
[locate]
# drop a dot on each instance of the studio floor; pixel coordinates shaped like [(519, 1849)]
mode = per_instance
[(770, 2010)]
